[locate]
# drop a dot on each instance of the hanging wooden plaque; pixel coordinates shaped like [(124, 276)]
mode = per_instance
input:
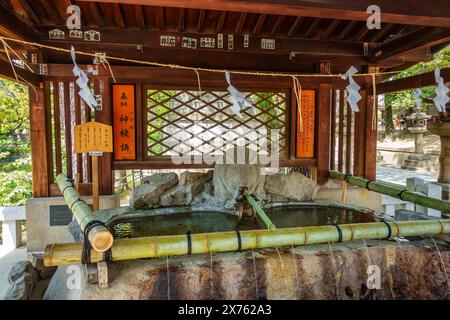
[(124, 122), (93, 137)]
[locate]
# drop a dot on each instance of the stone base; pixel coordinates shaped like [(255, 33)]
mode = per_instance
[(420, 162), (41, 231), (412, 271)]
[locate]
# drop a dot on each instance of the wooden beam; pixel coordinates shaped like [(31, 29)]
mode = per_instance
[(425, 37), (434, 13), (7, 73), (385, 31), (277, 24), (417, 81), (14, 27), (259, 24), (362, 33), (241, 22), (370, 163), (295, 26), (28, 11)]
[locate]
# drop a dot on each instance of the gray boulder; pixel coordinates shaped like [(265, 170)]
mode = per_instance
[(229, 177), (291, 186), (187, 177), (148, 194), (19, 269), (21, 289), (181, 195)]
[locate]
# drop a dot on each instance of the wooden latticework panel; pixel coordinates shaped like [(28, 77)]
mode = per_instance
[(181, 117)]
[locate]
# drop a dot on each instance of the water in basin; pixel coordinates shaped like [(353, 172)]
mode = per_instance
[(199, 222)]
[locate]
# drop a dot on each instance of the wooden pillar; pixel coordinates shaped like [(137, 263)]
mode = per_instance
[(323, 133), (104, 116), (39, 146), (371, 137)]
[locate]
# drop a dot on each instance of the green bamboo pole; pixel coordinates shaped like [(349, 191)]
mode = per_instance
[(259, 211), (176, 245), (99, 236), (395, 192)]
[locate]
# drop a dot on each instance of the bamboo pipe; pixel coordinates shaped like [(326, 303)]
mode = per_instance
[(99, 236), (175, 245), (395, 192), (262, 215)]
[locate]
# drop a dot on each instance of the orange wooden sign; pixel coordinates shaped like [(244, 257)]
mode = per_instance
[(124, 124), (305, 139), (93, 137)]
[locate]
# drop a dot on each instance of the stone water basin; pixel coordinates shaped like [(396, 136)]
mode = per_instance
[(172, 221)]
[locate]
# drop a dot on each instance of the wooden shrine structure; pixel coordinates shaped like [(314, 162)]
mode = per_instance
[(312, 37)]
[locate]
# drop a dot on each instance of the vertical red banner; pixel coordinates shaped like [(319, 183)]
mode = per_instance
[(123, 100), (305, 138)]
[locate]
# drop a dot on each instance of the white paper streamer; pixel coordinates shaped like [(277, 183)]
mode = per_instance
[(237, 98), (352, 89), (85, 92), (8, 92), (441, 98), (417, 93)]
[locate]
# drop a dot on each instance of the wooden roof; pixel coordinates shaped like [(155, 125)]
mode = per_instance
[(306, 32)]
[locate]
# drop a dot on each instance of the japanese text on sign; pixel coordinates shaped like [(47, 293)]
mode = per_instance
[(124, 122), (305, 139), (93, 137)]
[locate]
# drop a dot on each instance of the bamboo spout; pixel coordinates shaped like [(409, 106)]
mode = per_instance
[(392, 191), (99, 236), (161, 246)]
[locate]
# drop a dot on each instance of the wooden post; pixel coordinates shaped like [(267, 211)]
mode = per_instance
[(39, 146), (323, 134), (371, 138), (95, 183)]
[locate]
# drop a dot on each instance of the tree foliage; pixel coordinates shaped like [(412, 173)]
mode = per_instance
[(15, 158)]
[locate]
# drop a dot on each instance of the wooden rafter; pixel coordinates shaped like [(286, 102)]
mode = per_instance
[(347, 30), (295, 26), (277, 25), (160, 18), (220, 22), (383, 33), (14, 27), (362, 33), (434, 13), (241, 22), (52, 12), (312, 28), (7, 73), (181, 22), (140, 19), (201, 20), (117, 10), (97, 14), (422, 38), (259, 24), (28, 10)]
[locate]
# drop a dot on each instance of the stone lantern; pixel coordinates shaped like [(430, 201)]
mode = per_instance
[(418, 126)]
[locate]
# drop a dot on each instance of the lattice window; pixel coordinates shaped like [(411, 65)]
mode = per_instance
[(175, 116)]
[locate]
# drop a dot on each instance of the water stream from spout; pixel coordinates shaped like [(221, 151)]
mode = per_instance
[(256, 276), (334, 271), (168, 279), (212, 273), (442, 261), (296, 271)]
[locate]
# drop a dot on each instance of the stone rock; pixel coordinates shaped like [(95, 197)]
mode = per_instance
[(188, 177), (47, 272), (147, 195), (21, 289), (228, 178), (209, 188), (19, 269), (293, 186), (181, 195)]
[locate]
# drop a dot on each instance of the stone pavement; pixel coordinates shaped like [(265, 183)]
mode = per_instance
[(7, 259), (399, 176)]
